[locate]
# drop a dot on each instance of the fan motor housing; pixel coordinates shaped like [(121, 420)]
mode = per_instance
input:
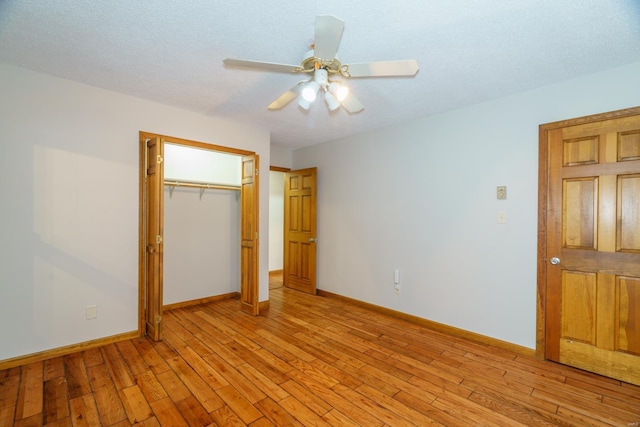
[(309, 63)]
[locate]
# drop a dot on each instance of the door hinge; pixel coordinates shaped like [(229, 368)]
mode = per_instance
[(257, 172), (256, 235), (160, 159), (158, 239), (158, 319)]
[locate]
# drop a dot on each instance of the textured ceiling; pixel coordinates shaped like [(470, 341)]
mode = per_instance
[(171, 52)]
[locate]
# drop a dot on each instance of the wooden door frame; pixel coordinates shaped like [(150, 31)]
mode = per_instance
[(142, 208), (543, 191)]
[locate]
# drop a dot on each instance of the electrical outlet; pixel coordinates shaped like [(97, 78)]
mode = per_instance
[(396, 280)]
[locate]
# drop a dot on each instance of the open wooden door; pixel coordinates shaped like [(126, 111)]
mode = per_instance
[(300, 236), (154, 185), (592, 268), (249, 291)]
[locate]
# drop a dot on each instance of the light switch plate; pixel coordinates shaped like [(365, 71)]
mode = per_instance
[(91, 312), (501, 192), (502, 218)]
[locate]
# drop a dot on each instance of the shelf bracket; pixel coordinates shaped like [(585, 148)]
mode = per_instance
[(171, 188)]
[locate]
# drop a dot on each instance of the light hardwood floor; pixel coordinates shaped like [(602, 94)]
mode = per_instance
[(309, 360)]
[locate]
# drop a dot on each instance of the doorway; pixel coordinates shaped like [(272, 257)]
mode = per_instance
[(293, 229), (151, 230), (589, 244), (276, 219)]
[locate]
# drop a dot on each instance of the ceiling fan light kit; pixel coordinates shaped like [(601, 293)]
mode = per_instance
[(332, 102), (310, 90), (320, 62), (339, 90), (303, 103)]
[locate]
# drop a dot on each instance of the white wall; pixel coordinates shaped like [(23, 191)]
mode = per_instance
[(276, 220), (421, 197), (201, 226), (196, 164), (201, 244), (281, 156), (69, 212)]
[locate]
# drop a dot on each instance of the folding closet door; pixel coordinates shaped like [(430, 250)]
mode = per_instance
[(153, 235)]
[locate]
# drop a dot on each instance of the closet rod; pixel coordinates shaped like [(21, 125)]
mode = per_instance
[(201, 185)]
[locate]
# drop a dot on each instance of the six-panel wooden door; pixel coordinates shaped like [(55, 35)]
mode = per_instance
[(300, 238), (593, 247)]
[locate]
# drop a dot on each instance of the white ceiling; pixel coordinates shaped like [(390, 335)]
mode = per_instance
[(171, 52)]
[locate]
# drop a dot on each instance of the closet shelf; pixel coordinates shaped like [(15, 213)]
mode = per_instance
[(201, 185), (205, 185)]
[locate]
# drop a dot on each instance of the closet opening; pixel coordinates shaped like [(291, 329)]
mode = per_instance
[(198, 227), (201, 225)]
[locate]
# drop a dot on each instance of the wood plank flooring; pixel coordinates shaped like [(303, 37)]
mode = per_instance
[(308, 361)]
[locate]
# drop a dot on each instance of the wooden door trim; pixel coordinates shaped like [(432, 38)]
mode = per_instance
[(142, 223), (197, 144), (142, 206), (543, 191), (279, 169)]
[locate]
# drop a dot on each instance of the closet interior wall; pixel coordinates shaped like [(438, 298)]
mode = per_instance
[(201, 230)]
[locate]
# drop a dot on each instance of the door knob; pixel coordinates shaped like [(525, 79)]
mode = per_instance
[(311, 239), (555, 260)]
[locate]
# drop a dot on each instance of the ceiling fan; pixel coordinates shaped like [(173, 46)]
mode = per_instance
[(322, 65)]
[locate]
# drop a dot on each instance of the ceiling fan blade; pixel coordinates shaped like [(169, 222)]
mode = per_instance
[(284, 99), (408, 67), (328, 35), (287, 97), (267, 66), (352, 104)]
